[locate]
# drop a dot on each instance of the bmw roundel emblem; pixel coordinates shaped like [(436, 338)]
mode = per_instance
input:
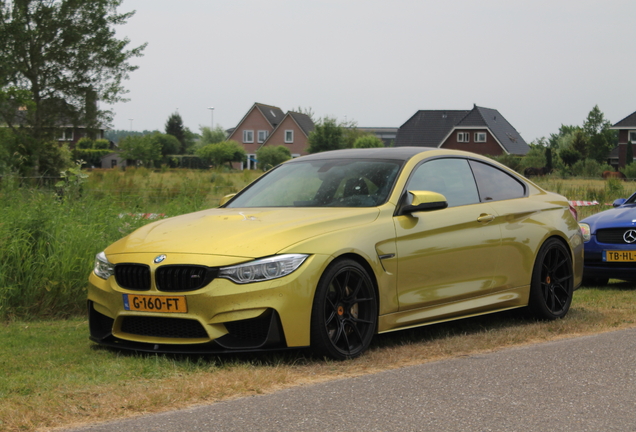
[(159, 259)]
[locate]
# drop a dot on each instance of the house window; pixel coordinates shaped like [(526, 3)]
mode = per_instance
[(65, 134), (632, 137), (480, 136), (262, 136), (248, 136), (463, 137), (289, 136)]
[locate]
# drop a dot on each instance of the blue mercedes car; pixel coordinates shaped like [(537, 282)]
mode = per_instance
[(610, 243)]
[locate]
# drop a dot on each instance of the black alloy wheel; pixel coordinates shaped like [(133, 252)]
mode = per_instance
[(552, 281), (344, 315)]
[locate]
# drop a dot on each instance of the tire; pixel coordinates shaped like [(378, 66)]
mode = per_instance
[(552, 282), (345, 313)]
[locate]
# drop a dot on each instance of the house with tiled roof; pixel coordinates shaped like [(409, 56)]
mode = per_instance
[(292, 132), (480, 130), (269, 125), (254, 128), (626, 133)]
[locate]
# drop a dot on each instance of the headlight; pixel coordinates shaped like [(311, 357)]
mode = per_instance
[(103, 268), (585, 230), (263, 269)]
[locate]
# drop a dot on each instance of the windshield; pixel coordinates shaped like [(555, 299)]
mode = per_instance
[(631, 199), (322, 183)]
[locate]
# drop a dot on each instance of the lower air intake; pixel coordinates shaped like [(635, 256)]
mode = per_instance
[(163, 327)]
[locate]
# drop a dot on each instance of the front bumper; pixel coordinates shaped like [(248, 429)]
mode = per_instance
[(221, 317), (595, 268), (263, 333)]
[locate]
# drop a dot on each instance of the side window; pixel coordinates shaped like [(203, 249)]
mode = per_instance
[(452, 178), (496, 185)]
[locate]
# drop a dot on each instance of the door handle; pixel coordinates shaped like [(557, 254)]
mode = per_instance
[(485, 218)]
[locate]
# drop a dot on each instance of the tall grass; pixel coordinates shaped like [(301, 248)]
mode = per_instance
[(49, 238)]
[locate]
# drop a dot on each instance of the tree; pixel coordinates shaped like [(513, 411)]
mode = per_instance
[(595, 123), (140, 148), (174, 127), (580, 143), (269, 156), (57, 59), (168, 144), (601, 139), (569, 156), (564, 130), (327, 135), (211, 136), (548, 159), (368, 141), (223, 152), (191, 139)]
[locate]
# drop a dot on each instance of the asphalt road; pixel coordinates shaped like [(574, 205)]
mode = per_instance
[(581, 384)]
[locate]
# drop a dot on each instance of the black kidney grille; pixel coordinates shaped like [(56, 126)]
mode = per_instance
[(183, 277), (133, 276), (163, 327), (612, 235)]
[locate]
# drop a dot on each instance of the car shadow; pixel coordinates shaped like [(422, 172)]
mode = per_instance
[(620, 285), (460, 327)]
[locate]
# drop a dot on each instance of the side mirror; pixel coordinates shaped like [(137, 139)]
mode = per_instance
[(226, 198), (619, 202), (424, 201)]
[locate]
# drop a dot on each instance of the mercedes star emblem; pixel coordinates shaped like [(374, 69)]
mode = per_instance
[(629, 236)]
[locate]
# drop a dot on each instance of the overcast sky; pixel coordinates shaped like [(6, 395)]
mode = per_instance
[(541, 63)]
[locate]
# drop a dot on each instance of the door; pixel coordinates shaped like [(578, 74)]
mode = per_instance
[(450, 254)]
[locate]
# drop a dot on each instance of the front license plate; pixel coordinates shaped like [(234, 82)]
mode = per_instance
[(150, 303), (619, 256)]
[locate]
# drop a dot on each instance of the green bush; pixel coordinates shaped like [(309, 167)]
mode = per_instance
[(368, 141), (589, 168), (269, 156), (629, 171), (92, 157), (85, 143), (101, 144), (535, 158)]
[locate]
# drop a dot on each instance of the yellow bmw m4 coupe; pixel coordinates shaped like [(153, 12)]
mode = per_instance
[(326, 250)]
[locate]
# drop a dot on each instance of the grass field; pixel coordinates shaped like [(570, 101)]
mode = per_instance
[(53, 376)]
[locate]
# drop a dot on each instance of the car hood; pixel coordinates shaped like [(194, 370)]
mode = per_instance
[(248, 233), (624, 216)]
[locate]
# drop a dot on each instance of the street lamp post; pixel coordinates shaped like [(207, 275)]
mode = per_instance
[(130, 124), (211, 117)]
